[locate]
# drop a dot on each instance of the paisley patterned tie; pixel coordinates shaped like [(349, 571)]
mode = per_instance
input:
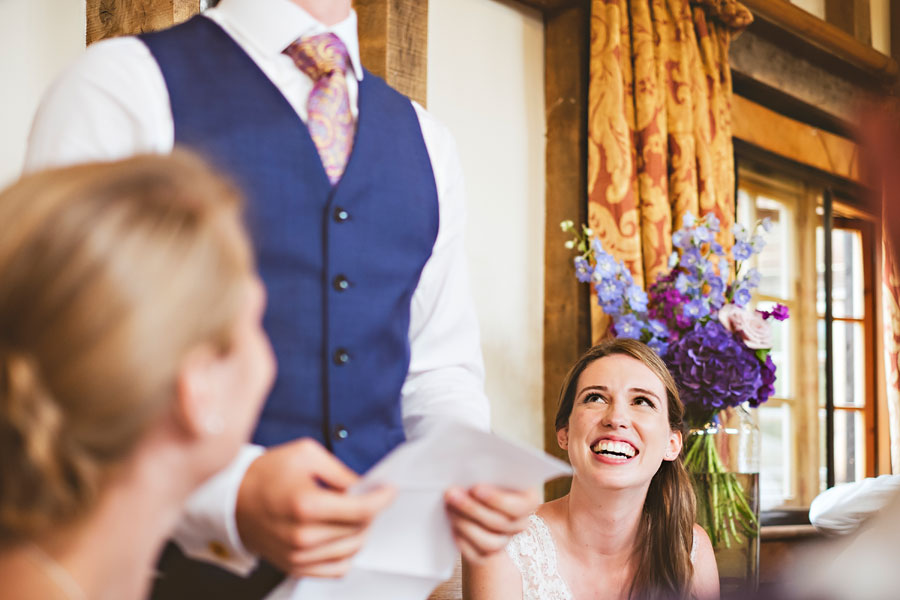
[(324, 59)]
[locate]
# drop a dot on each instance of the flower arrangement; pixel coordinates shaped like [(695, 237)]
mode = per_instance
[(696, 317)]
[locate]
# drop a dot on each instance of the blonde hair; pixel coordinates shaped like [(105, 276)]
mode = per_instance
[(109, 274), (663, 554)]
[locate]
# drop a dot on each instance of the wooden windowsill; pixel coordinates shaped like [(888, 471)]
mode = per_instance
[(771, 533)]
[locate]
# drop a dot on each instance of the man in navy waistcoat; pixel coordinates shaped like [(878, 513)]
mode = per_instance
[(356, 206)]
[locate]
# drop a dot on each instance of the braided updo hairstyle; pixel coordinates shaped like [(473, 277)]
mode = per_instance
[(109, 274)]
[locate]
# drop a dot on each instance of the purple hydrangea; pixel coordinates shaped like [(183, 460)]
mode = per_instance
[(714, 370), (767, 387)]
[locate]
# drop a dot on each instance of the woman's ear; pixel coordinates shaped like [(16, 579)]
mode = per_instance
[(197, 409), (562, 438), (674, 447)]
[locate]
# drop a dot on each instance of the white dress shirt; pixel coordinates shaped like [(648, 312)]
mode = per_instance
[(113, 103)]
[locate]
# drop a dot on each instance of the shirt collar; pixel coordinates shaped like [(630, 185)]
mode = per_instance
[(272, 25)]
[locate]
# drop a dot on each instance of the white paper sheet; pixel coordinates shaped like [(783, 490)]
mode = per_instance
[(410, 548)]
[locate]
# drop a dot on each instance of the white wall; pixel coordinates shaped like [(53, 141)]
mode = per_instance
[(486, 84), (38, 38), (880, 13)]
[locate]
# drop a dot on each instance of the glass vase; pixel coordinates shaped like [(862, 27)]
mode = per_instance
[(722, 456)]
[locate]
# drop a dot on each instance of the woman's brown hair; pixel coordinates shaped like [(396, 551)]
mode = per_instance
[(109, 274), (663, 551)]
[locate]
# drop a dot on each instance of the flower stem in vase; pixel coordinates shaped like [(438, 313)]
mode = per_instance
[(722, 503)]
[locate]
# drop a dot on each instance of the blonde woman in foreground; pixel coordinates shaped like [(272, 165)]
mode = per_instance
[(132, 366), (626, 528)]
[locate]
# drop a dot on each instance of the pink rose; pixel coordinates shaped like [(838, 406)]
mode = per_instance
[(748, 324)]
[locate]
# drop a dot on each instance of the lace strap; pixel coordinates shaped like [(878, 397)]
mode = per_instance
[(693, 544), (534, 554)]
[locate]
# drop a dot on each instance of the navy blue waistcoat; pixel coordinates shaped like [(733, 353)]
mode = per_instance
[(340, 264)]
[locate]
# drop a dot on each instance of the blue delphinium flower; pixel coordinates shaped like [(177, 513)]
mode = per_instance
[(658, 329), (740, 233), (681, 283), (659, 346), (742, 296), (712, 222), (628, 326), (688, 220), (696, 309), (742, 251), (701, 235), (767, 224), (753, 278), (673, 260), (690, 257), (596, 246), (637, 298), (716, 248), (757, 243), (716, 292), (609, 289), (614, 307), (681, 239), (606, 267), (583, 270)]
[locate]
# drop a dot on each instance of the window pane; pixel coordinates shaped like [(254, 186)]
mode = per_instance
[(849, 446), (774, 262), (849, 364), (776, 459), (847, 273)]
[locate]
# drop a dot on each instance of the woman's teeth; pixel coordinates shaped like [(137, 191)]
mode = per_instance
[(610, 447)]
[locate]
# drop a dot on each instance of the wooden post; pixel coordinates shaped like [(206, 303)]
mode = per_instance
[(393, 38), (567, 326), (111, 18)]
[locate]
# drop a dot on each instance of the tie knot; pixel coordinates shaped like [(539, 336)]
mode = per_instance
[(319, 56)]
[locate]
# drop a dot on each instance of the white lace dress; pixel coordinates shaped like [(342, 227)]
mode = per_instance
[(534, 554)]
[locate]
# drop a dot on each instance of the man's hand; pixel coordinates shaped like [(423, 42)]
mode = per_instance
[(485, 517), (293, 510)]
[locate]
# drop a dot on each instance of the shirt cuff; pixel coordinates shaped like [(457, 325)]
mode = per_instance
[(207, 530)]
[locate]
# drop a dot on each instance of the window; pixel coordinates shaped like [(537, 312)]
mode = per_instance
[(795, 444), (853, 353)]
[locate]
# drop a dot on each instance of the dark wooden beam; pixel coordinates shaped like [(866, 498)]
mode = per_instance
[(111, 18), (567, 320), (393, 37), (549, 7), (790, 81)]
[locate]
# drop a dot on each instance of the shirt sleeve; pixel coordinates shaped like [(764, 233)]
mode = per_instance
[(843, 508), (446, 371), (113, 103), (207, 529)]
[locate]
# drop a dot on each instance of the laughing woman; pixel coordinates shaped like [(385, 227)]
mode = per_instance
[(626, 528)]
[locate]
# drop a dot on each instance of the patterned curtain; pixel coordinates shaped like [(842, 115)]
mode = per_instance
[(881, 137), (891, 297), (659, 125)]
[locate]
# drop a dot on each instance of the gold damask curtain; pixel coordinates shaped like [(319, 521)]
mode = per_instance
[(659, 125)]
